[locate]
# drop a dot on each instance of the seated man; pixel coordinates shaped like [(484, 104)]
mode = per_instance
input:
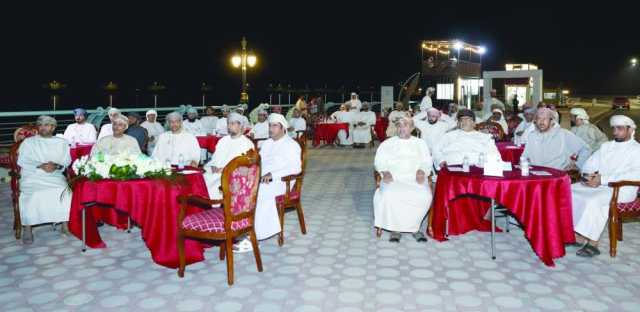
[(177, 146), (80, 132), (280, 157), (497, 116), (137, 132), (154, 129), (119, 142), (261, 128), (404, 197), (44, 196), (221, 126), (432, 128), (192, 124), (521, 133), (296, 123), (106, 129), (240, 110), (228, 148), (345, 115), (209, 121), (616, 160), (588, 132), (362, 123), (394, 116), (463, 142), (554, 147)]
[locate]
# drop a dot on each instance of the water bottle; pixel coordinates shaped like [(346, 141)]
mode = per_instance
[(524, 166), (481, 160), (465, 164), (180, 162)]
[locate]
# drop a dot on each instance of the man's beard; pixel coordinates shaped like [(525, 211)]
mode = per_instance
[(573, 123), (431, 122), (191, 119), (619, 140)]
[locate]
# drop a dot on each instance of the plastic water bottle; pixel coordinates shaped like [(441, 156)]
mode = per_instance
[(465, 164), (481, 160), (524, 166), (180, 162)]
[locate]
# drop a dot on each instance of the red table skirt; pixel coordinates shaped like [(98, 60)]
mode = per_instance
[(381, 128), (510, 152), (541, 204), (152, 204), (208, 142), (328, 132), (79, 151)]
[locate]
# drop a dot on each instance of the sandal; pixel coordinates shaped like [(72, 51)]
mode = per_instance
[(588, 251), (420, 238), (575, 244), (395, 237)]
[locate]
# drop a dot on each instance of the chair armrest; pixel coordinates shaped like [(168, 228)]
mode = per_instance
[(624, 183), (198, 200), (291, 177)]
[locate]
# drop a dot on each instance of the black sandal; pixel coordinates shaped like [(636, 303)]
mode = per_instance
[(395, 237), (419, 237), (588, 251)]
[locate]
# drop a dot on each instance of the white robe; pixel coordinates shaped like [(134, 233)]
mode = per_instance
[(401, 205), (280, 158), (105, 130), (171, 145), (354, 105), (345, 117), (154, 130), (298, 124), (111, 145), (362, 134), (80, 134), (43, 196), (261, 130), (526, 128), (209, 124), (591, 135), (221, 127), (426, 103), (196, 128), (227, 149), (554, 148), (432, 133), (457, 144), (614, 161)]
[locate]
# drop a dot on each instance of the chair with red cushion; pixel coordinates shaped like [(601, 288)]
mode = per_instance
[(492, 128), (14, 173), (292, 196), (620, 212), (240, 180)]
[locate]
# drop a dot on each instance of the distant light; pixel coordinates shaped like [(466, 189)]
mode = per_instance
[(252, 60), (236, 61), (482, 50), (634, 61), (424, 45), (565, 92), (457, 45)]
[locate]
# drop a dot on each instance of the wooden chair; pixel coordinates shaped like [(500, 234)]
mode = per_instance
[(14, 173), (378, 178), (256, 142), (620, 212), (301, 138), (240, 181), (293, 197), (492, 128)]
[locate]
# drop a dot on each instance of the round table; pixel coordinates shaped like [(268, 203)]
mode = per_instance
[(328, 132), (541, 204), (510, 152)]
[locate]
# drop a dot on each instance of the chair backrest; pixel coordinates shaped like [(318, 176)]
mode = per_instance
[(240, 181), (303, 165), (24, 132), (14, 170), (492, 128), (256, 143)]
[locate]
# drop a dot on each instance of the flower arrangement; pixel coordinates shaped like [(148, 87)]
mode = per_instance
[(120, 167)]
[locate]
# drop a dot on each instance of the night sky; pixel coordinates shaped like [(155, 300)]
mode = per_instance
[(587, 50)]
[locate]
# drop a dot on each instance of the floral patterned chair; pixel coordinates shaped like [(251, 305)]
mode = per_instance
[(620, 212), (240, 181)]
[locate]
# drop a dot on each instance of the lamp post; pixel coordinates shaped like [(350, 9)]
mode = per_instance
[(205, 89), (243, 60), (55, 88), (155, 88), (111, 88)]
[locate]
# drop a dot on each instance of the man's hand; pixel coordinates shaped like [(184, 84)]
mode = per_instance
[(519, 133), (216, 170), (49, 167), (571, 166), (420, 176), (193, 164), (267, 178), (386, 177), (443, 164), (361, 123)]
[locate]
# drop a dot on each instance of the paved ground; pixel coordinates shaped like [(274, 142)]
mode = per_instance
[(338, 266)]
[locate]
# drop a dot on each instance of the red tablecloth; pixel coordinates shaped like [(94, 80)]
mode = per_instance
[(208, 142), (328, 132), (152, 204), (542, 205), (79, 151), (381, 128), (510, 152)]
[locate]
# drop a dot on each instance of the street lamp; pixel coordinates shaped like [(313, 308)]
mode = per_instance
[(243, 60), (634, 62)]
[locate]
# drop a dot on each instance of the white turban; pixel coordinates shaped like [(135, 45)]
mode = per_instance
[(151, 112), (621, 121), (579, 113), (121, 118), (46, 120), (174, 116), (530, 110), (546, 112), (192, 111), (353, 93), (225, 108), (497, 110), (278, 118), (235, 117), (431, 89), (262, 111), (433, 110), (113, 110)]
